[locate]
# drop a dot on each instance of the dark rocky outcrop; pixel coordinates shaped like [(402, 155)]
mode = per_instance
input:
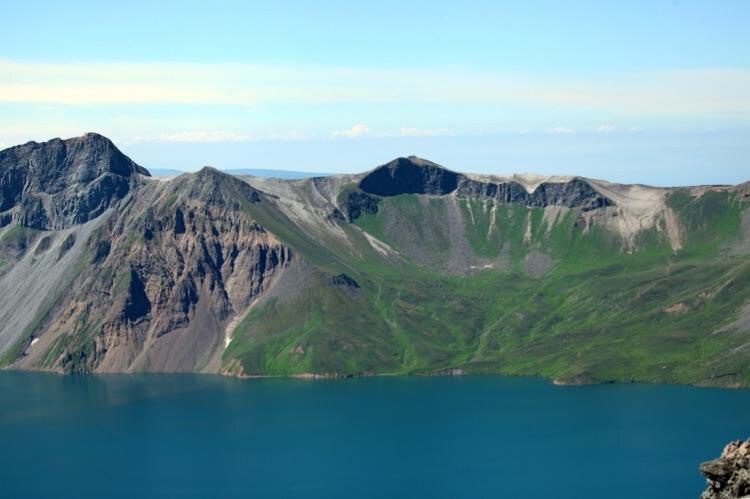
[(136, 303), (344, 280), (413, 175), (43, 245), (101, 251), (179, 222), (356, 203), (80, 360), (336, 216), (61, 183), (410, 175), (576, 193), (728, 477), (66, 245)]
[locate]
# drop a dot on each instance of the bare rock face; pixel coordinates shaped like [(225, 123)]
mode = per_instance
[(201, 261), (61, 183), (164, 278), (414, 175), (728, 477), (410, 175), (155, 281), (575, 193), (358, 203)]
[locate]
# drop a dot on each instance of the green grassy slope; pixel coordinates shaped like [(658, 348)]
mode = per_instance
[(598, 313)]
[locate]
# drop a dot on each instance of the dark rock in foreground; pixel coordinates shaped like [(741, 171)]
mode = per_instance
[(728, 476)]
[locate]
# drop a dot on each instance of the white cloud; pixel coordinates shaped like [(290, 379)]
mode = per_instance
[(357, 130), (561, 130), (207, 136), (290, 135), (203, 136), (645, 93), (606, 128), (423, 132)]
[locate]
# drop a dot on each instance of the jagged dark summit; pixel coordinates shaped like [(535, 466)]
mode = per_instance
[(61, 183), (410, 175), (414, 175)]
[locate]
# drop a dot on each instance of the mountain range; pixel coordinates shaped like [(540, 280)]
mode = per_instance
[(253, 172), (409, 268)]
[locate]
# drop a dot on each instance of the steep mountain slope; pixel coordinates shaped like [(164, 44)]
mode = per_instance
[(408, 268)]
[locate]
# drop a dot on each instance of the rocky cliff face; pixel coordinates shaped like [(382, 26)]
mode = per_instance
[(142, 275), (162, 283), (410, 175), (359, 203), (575, 193), (728, 477), (414, 175), (61, 183)]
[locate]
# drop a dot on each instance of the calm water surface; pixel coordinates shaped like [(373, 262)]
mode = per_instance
[(209, 436)]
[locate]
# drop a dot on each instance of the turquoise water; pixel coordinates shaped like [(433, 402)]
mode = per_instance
[(494, 437)]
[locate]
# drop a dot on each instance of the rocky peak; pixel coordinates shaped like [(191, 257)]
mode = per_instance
[(59, 183), (97, 150), (78, 159), (212, 186), (415, 175), (410, 175)]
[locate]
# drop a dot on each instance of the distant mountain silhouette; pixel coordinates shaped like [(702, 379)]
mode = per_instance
[(255, 172)]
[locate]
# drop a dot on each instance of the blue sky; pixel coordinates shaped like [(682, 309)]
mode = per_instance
[(652, 92)]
